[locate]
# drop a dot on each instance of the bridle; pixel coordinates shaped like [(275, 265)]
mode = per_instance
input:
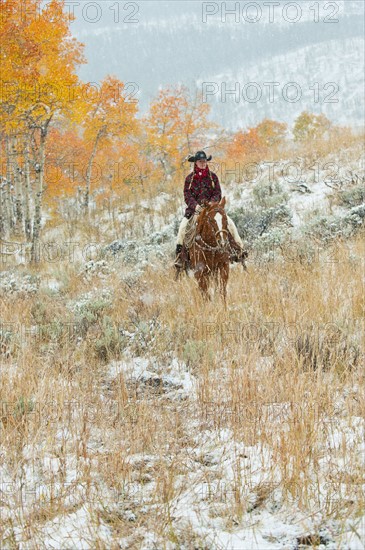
[(218, 247)]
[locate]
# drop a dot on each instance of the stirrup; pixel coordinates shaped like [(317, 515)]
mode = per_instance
[(239, 256), (179, 264)]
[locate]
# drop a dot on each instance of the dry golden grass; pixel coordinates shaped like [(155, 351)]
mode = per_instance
[(281, 368)]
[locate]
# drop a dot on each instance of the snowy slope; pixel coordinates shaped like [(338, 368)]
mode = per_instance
[(337, 66), (170, 43)]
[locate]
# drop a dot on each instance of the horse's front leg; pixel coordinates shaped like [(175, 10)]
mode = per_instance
[(223, 275), (202, 276), (216, 278), (204, 286)]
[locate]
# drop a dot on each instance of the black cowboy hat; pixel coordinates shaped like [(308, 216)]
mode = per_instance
[(200, 155)]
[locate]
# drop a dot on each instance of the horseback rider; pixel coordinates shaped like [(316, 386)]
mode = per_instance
[(203, 185)]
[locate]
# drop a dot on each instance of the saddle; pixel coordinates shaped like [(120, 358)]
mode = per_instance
[(190, 232), (236, 252), (189, 237)]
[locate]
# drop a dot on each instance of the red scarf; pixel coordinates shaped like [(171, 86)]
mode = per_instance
[(199, 174)]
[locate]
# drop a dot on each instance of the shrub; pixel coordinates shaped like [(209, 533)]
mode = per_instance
[(326, 351), (328, 228), (252, 222), (267, 243), (352, 197), (91, 312), (110, 342), (269, 194), (141, 335), (194, 352)]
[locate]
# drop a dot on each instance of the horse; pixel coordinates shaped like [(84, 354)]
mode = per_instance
[(209, 252)]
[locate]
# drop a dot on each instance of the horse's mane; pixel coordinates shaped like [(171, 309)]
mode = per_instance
[(201, 219)]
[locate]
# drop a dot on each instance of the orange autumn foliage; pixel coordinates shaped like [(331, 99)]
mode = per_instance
[(177, 123), (246, 146)]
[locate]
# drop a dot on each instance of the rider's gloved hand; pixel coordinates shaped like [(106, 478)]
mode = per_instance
[(198, 208)]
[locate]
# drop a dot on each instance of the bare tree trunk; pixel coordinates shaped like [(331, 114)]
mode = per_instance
[(26, 194), (163, 163), (18, 190), (89, 172), (34, 255), (7, 191), (2, 220)]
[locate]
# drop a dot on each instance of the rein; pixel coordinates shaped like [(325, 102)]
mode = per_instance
[(206, 246)]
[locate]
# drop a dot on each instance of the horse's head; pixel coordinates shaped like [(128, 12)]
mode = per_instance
[(213, 222)]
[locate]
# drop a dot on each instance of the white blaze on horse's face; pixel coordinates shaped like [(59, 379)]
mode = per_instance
[(218, 218)]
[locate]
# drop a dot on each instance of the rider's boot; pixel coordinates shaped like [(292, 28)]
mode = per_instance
[(238, 254), (241, 257), (179, 263)]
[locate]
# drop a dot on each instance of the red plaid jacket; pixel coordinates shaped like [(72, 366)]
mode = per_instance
[(199, 188)]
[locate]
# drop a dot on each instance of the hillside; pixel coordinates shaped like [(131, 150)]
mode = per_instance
[(232, 52), (141, 410), (137, 416)]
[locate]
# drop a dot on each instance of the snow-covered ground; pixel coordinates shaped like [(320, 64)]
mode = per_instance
[(228, 494), (225, 492)]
